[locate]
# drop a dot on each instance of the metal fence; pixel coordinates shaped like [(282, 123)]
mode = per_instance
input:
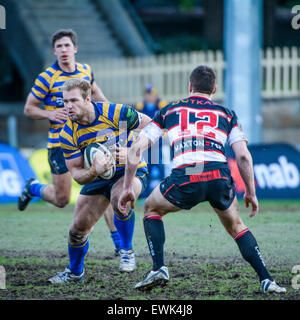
[(123, 80)]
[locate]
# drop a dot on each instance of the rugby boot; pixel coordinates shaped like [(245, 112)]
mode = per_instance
[(25, 196), (65, 276), (127, 262), (154, 279), (271, 286)]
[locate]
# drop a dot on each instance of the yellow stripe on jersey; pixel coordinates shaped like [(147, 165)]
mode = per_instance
[(117, 113), (51, 69), (41, 85), (46, 76), (105, 109), (49, 108), (110, 114), (38, 94), (57, 89)]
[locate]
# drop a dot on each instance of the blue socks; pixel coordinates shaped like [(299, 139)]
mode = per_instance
[(122, 240), (116, 240), (77, 253), (125, 227), (36, 190)]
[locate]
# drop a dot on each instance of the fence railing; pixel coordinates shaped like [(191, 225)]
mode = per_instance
[(123, 80)]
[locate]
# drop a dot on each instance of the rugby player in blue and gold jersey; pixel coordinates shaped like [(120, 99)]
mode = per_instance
[(112, 125), (47, 90)]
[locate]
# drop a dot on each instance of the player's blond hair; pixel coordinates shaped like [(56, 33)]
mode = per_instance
[(78, 83)]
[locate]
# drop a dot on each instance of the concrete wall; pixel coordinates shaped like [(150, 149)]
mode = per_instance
[(281, 121)]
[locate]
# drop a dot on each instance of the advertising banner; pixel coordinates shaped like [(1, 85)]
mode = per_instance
[(14, 171), (276, 169)]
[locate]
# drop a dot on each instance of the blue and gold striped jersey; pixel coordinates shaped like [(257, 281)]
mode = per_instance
[(47, 88), (113, 125)]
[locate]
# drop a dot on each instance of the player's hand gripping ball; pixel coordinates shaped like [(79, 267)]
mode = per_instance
[(99, 150)]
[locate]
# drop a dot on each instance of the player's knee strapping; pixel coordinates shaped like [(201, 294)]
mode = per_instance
[(155, 235), (78, 247), (75, 238)]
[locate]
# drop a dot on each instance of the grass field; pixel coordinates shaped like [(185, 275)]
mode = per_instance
[(204, 262)]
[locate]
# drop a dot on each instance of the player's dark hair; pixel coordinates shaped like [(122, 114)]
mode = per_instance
[(64, 33), (203, 79)]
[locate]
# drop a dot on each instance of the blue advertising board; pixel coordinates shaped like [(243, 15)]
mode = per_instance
[(14, 171), (276, 170)]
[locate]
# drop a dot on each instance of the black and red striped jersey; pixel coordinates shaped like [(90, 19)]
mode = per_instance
[(198, 130)]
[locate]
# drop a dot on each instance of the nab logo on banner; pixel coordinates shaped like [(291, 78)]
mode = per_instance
[(14, 171), (276, 170)]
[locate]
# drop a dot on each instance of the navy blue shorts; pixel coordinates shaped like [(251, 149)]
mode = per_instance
[(101, 186), (186, 191), (57, 161)]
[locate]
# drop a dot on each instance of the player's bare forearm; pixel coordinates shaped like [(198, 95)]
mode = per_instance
[(127, 194), (245, 166), (80, 174), (131, 166), (133, 159), (84, 175), (34, 112), (37, 113)]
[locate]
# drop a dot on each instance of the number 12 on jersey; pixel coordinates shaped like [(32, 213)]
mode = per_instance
[(203, 119)]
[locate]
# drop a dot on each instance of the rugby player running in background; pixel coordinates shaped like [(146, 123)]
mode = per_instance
[(198, 130), (47, 90)]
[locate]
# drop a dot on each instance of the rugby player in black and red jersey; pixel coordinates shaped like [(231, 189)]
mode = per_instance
[(198, 130)]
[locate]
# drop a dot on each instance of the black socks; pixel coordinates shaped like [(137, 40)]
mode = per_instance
[(250, 252), (155, 235)]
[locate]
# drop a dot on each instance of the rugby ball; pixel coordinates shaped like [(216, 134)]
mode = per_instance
[(99, 150)]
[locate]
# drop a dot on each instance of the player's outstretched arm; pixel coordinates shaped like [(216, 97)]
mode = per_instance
[(33, 111), (245, 165), (133, 159)]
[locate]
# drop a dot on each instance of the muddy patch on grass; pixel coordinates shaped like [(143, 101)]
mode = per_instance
[(191, 278)]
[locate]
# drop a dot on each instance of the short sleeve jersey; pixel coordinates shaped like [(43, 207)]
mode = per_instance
[(197, 130)]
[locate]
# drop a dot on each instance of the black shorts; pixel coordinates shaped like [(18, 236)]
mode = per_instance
[(57, 161), (101, 186), (186, 191)]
